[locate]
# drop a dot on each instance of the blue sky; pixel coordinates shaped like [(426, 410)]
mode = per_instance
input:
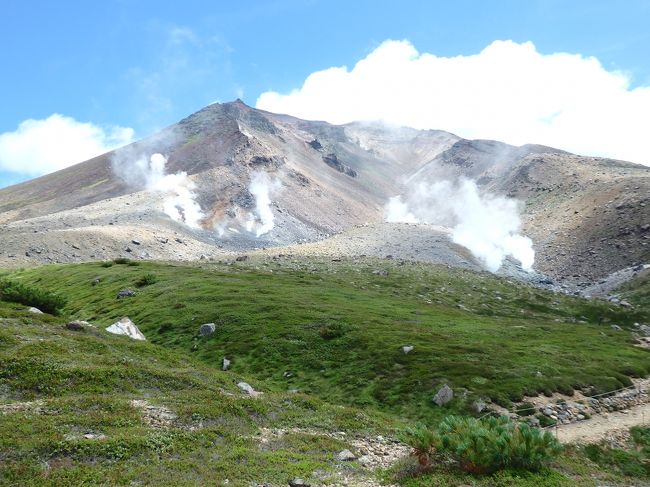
[(145, 64)]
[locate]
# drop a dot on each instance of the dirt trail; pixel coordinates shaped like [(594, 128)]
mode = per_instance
[(602, 427)]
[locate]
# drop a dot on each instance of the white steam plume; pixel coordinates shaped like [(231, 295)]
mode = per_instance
[(488, 225), (179, 202), (261, 220)]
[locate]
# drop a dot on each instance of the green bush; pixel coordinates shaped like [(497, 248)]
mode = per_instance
[(17, 292), (146, 280), (121, 260), (423, 441), (482, 446), (107, 264)]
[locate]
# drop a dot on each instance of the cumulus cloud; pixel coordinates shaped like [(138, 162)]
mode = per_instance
[(509, 92), (38, 147)]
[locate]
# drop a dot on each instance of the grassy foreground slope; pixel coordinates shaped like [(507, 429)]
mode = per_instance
[(335, 330), (67, 415)]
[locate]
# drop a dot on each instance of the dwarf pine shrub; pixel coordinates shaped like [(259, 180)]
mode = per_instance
[(17, 292), (482, 446)]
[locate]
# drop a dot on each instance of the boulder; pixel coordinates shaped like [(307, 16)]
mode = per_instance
[(126, 327), (407, 348), (126, 293), (36, 311), (346, 456), (207, 329), (77, 325), (248, 389), (444, 395), (298, 482), (478, 406), (225, 364), (616, 328)]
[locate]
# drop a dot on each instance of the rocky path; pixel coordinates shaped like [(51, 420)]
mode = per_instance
[(603, 427)]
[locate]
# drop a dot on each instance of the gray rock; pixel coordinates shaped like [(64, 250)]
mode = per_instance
[(225, 364), (443, 396), (207, 329), (248, 389), (478, 406), (126, 293), (407, 348), (298, 482), (77, 325), (36, 311), (616, 328), (346, 456), (135, 242)]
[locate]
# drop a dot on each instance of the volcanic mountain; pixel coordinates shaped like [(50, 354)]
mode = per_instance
[(251, 180)]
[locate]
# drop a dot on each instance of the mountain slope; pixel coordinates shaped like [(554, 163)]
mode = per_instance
[(587, 216)]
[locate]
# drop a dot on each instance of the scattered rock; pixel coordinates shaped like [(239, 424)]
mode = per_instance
[(248, 389), (36, 311), (241, 258), (135, 242), (207, 329), (407, 348), (225, 364), (346, 456), (94, 436), (126, 293), (616, 328), (77, 325), (478, 406), (126, 327), (298, 482), (443, 396)]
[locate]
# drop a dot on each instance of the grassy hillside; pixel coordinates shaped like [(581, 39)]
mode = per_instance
[(90, 408), (67, 416), (335, 330)]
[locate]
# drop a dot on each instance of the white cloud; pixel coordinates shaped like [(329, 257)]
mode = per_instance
[(508, 92), (42, 146)]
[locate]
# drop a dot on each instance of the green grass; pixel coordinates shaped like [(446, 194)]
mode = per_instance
[(634, 462), (78, 383), (336, 331), (336, 328)]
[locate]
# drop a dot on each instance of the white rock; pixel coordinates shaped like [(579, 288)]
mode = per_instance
[(248, 389), (126, 327), (36, 311), (225, 365), (407, 348)]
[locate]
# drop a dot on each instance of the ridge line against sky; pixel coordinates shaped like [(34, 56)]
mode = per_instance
[(575, 76)]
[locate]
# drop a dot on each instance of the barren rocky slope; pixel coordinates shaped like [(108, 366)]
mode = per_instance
[(588, 217)]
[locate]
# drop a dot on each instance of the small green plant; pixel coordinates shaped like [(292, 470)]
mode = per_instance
[(526, 409), (17, 292), (634, 462), (121, 261), (107, 264), (146, 280), (483, 446), (545, 421), (331, 331), (424, 442)]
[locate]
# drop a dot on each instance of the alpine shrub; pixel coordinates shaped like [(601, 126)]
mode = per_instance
[(17, 292)]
